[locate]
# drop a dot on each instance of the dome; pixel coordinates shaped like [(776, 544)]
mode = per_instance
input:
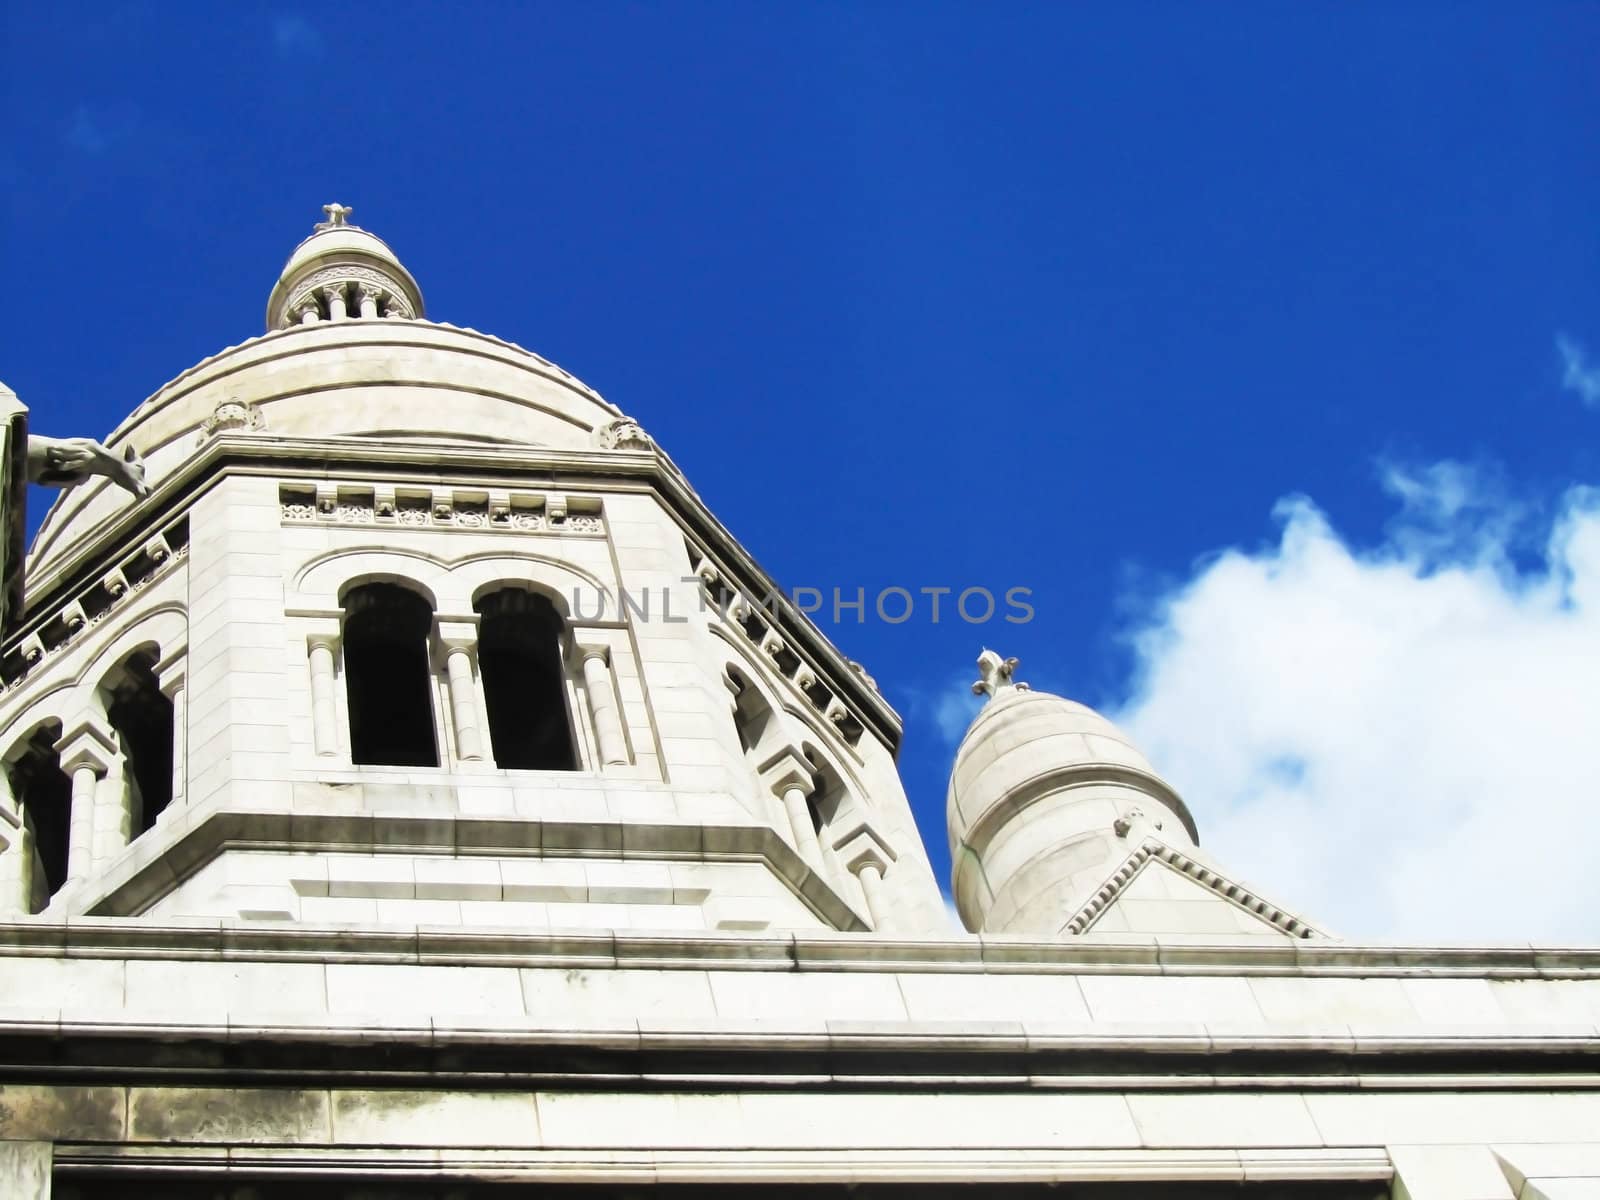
[(1041, 796), (341, 269), (343, 357)]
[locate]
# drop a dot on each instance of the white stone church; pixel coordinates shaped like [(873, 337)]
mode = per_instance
[(420, 794)]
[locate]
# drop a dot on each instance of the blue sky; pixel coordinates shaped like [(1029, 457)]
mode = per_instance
[(1065, 297)]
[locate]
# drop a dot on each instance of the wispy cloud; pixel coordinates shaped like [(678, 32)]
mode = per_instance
[(1579, 373), (947, 707), (1437, 705), (296, 37)]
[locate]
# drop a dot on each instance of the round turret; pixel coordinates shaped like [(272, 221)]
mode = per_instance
[(1045, 799), (341, 270)]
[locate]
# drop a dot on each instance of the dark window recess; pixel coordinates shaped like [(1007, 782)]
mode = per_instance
[(387, 679), (519, 657), (45, 794), (751, 716), (142, 717)]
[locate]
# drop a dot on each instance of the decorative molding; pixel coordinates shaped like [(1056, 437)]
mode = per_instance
[(233, 416), (1222, 887), (623, 434), (368, 504), (741, 613), (341, 276), (75, 613)]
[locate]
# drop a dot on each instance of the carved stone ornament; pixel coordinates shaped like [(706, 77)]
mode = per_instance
[(862, 671), (998, 676), (624, 434), (341, 275), (233, 416)]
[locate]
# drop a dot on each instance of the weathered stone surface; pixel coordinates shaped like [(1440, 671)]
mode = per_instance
[(243, 1115), (62, 1112)]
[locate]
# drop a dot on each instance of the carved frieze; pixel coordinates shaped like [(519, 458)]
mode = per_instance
[(521, 512), (89, 606)]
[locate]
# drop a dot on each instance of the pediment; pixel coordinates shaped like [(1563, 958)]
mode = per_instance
[(1159, 889)]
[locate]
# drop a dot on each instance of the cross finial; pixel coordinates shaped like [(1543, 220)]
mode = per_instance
[(997, 675), (336, 215)]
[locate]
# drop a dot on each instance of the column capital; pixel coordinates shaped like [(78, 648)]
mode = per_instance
[(457, 632), (786, 769), (321, 627), (863, 846), (322, 639), (584, 651), (89, 742)]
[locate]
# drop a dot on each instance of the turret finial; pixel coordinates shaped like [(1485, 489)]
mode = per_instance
[(336, 215), (997, 675)]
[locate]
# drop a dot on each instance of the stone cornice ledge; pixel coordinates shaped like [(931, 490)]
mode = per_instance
[(831, 1165), (102, 937), (155, 869)]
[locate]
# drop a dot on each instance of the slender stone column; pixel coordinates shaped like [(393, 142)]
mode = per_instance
[(870, 872), (178, 694), (805, 833), (603, 705), (394, 308), (367, 296), (308, 312), (87, 752), (334, 295), (324, 708), (867, 855), (457, 639), (789, 776), (463, 704)]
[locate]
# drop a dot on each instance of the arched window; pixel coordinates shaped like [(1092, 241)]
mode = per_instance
[(388, 682), (520, 639), (142, 717), (44, 794), (829, 796), (752, 716)]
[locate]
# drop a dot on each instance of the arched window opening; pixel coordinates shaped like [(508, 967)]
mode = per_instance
[(520, 640), (44, 793), (388, 682), (829, 797), (752, 716), (142, 717)]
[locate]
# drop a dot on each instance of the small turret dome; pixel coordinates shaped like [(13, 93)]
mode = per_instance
[(340, 270), (1041, 798)]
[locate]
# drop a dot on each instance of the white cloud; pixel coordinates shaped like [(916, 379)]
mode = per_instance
[(953, 710), (1400, 741), (1579, 374)]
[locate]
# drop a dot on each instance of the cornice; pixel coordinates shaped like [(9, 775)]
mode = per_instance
[(266, 454), (1092, 954)]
